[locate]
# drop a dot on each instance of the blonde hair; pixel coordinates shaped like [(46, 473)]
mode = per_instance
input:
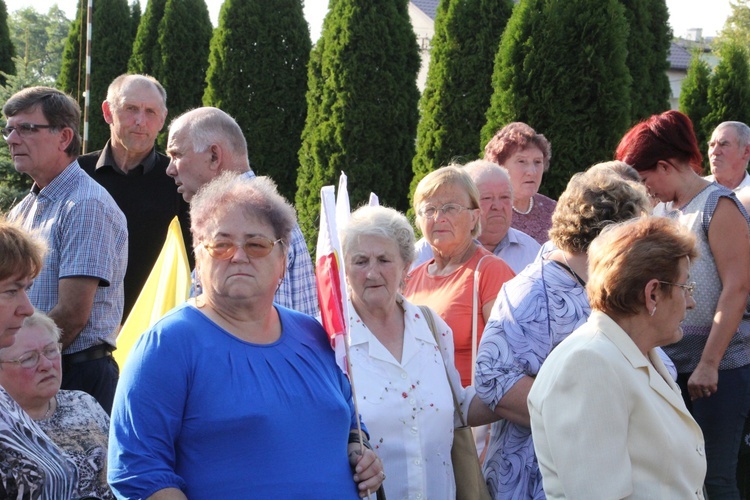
[(21, 254), (450, 175)]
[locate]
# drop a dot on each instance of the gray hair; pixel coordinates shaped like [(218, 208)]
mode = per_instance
[(44, 322), (380, 221), (206, 126), (479, 169), (258, 197), (742, 130), (621, 168), (115, 89)]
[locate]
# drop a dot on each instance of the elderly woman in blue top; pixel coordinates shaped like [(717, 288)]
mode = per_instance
[(230, 395), (533, 313)]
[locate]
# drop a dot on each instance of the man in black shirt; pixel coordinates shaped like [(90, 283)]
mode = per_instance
[(134, 174)]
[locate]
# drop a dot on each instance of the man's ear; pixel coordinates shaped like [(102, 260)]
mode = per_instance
[(107, 112), (66, 136), (217, 157)]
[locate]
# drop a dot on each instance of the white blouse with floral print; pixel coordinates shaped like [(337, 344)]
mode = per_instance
[(407, 406)]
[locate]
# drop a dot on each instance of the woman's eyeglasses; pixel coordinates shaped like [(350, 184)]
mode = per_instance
[(31, 358), (449, 210), (688, 287), (255, 247)]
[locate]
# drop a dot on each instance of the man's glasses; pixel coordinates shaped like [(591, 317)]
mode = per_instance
[(449, 210), (257, 246), (23, 129), (31, 358), (688, 287)]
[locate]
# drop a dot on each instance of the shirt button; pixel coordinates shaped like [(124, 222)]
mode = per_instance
[(412, 401), (699, 449), (413, 430), (417, 462), (403, 376), (419, 495)]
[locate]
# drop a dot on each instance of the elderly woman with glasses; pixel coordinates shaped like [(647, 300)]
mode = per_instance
[(31, 466), (31, 373), (713, 358), (231, 395), (462, 280), (607, 418)]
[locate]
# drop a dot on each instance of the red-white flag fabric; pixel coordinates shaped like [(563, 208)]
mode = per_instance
[(329, 271)]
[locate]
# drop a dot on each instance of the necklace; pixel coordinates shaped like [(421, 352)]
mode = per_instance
[(575, 275), (531, 205), (49, 410)]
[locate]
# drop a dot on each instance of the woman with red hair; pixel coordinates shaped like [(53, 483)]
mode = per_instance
[(713, 358)]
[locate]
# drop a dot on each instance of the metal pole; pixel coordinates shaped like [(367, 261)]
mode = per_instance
[(87, 92)]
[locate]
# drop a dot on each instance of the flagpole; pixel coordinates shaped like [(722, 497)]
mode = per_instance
[(87, 84)]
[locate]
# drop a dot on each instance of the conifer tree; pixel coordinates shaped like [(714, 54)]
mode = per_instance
[(362, 107), (561, 69), (459, 83), (184, 41), (110, 50), (729, 89), (694, 98), (258, 74), (7, 51), (146, 56), (135, 19), (648, 47)]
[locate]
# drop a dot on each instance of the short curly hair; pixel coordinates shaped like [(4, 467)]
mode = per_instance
[(516, 136), (380, 221), (593, 200)]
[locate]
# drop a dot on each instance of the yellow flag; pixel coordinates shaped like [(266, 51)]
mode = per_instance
[(167, 286)]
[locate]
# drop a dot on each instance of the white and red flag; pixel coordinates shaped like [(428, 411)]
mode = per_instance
[(329, 271)]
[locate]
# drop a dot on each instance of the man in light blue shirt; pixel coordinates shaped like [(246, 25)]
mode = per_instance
[(206, 142), (515, 247), (81, 284)]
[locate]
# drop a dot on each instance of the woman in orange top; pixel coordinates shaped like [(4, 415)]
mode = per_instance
[(447, 205)]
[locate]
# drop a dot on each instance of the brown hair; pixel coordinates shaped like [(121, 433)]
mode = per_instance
[(20, 253), (626, 256), (513, 137)]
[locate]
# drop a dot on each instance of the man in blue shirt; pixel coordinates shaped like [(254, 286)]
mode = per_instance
[(205, 142), (80, 285)]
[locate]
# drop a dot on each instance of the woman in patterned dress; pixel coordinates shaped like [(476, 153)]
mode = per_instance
[(31, 466), (398, 364), (73, 420), (534, 312), (713, 357)]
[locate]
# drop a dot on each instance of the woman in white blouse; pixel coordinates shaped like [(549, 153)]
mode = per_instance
[(399, 369)]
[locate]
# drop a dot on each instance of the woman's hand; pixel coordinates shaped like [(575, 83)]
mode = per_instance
[(368, 470), (703, 382)]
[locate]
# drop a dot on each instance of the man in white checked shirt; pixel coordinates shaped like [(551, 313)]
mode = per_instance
[(80, 285), (205, 142)]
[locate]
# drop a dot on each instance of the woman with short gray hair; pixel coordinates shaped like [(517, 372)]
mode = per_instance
[(400, 364)]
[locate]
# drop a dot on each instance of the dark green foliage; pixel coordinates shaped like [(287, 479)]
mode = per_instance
[(362, 107), (39, 40), (258, 74), (561, 69), (184, 41), (729, 90), (146, 56), (135, 19), (13, 185), (7, 52), (110, 51), (694, 99), (648, 47), (459, 82)]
